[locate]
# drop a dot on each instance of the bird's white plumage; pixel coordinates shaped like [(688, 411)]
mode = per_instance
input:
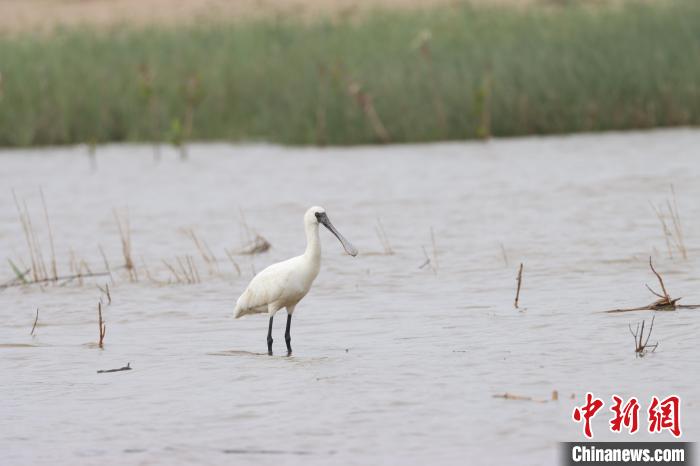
[(284, 284)]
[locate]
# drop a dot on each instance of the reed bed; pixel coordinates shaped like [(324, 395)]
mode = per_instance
[(451, 72), (183, 269)]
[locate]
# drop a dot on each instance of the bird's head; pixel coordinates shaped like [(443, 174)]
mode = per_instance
[(317, 215)]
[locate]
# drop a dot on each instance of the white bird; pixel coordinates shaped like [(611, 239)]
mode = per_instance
[(284, 284)]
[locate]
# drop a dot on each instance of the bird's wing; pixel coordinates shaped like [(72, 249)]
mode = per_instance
[(265, 288)]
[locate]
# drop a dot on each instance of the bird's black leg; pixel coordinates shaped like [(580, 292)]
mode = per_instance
[(269, 338), (287, 336)]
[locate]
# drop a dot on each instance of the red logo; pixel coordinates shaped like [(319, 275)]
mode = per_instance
[(587, 412), (662, 414), (665, 414), (627, 415)]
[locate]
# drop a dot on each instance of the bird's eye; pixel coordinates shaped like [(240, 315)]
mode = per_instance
[(318, 216)]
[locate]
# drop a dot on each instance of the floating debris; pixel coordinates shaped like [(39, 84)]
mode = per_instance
[(125, 368)]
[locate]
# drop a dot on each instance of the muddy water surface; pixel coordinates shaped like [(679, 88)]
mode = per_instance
[(393, 364)]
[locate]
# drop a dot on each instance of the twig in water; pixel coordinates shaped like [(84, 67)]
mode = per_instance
[(641, 349), (664, 303), (125, 236), (35, 322), (125, 368), (102, 325), (520, 280)]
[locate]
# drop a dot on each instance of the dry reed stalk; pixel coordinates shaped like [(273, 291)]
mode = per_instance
[(664, 228), (520, 280), (383, 238), (54, 272), (75, 267), (674, 238), (102, 325), (504, 254), (125, 236), (204, 251), (641, 349), (194, 273), (233, 261), (36, 319), (365, 102), (147, 273), (254, 242), (676, 218), (28, 238), (106, 263), (106, 292), (37, 246), (178, 279)]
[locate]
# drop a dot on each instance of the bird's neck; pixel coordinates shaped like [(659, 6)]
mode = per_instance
[(313, 243)]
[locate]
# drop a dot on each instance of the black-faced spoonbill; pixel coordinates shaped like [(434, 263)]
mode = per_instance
[(284, 284)]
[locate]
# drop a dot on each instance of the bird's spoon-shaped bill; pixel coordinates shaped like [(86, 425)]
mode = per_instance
[(349, 248)]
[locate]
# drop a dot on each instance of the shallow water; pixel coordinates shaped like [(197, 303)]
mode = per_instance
[(393, 364)]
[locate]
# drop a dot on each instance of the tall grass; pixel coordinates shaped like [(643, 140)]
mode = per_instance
[(449, 73)]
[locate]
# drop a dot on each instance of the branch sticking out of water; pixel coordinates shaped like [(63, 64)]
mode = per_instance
[(664, 303), (102, 325), (35, 322), (520, 280), (641, 349)]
